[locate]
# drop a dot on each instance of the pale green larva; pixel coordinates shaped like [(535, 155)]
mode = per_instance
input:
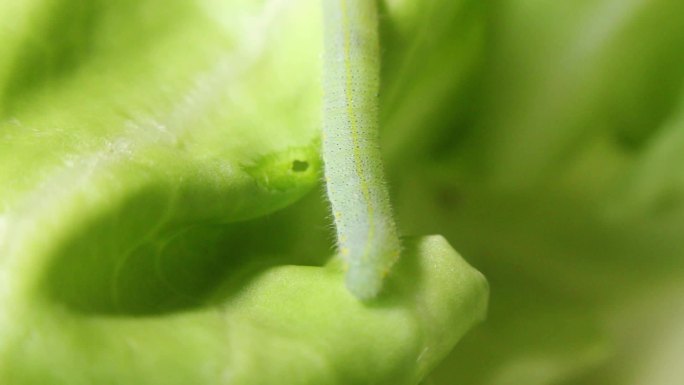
[(366, 232)]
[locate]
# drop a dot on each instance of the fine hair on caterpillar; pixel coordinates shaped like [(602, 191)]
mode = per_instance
[(366, 232)]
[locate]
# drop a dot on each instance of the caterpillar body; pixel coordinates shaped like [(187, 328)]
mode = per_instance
[(366, 232)]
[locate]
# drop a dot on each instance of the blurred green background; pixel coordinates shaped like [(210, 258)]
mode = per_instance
[(554, 161)]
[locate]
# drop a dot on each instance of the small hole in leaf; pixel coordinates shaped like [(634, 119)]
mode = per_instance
[(299, 166)]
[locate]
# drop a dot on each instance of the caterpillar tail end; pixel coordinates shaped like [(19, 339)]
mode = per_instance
[(364, 283), (365, 278)]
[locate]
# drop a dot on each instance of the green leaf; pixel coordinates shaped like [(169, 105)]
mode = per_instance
[(114, 145), (144, 147), (293, 322)]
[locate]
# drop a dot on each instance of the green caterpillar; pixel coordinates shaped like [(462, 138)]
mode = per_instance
[(366, 233)]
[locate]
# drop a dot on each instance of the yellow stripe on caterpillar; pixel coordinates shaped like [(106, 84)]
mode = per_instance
[(366, 232)]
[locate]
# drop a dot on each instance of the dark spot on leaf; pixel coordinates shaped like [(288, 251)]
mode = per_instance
[(299, 165), (449, 198)]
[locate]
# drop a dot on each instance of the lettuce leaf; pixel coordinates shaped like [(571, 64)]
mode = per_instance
[(151, 155)]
